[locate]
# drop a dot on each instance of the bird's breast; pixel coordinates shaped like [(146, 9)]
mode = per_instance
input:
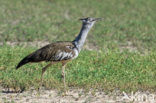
[(76, 53)]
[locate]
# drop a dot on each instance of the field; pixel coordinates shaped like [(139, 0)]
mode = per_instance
[(119, 52)]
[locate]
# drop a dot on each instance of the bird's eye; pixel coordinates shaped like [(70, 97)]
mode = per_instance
[(90, 19)]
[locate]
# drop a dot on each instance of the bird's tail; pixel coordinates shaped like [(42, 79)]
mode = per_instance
[(23, 61)]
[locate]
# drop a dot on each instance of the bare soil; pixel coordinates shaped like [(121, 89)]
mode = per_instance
[(75, 96), (87, 46)]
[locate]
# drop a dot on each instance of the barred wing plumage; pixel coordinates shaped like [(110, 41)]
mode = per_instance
[(53, 52)]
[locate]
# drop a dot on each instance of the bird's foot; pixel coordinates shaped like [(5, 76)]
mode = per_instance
[(65, 93)]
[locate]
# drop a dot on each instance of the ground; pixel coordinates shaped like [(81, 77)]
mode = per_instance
[(76, 96), (119, 53), (31, 95)]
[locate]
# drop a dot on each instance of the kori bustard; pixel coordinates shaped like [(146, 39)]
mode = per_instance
[(62, 51)]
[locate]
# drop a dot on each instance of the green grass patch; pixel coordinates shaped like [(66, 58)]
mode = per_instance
[(127, 24), (56, 20), (98, 70)]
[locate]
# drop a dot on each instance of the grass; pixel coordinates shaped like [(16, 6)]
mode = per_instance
[(127, 24), (52, 20), (108, 71)]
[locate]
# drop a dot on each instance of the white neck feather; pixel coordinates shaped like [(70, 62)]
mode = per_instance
[(80, 39)]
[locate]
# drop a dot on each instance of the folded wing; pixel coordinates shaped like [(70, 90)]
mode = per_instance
[(53, 52)]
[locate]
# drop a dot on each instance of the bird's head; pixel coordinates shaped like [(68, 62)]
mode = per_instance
[(89, 22)]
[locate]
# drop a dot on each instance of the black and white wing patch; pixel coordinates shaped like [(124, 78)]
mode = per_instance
[(63, 55)]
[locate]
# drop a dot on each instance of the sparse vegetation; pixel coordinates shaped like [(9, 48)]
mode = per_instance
[(127, 24), (114, 69)]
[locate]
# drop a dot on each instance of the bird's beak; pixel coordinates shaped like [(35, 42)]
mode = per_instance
[(98, 19), (94, 19)]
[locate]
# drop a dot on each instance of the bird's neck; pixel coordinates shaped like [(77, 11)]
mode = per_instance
[(80, 39)]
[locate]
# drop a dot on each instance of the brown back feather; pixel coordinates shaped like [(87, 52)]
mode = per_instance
[(48, 52)]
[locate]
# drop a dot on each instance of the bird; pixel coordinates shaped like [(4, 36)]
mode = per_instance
[(61, 51)]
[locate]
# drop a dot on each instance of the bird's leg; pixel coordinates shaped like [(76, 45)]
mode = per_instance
[(44, 69), (64, 75)]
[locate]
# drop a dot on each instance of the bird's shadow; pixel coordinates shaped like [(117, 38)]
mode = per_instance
[(10, 90)]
